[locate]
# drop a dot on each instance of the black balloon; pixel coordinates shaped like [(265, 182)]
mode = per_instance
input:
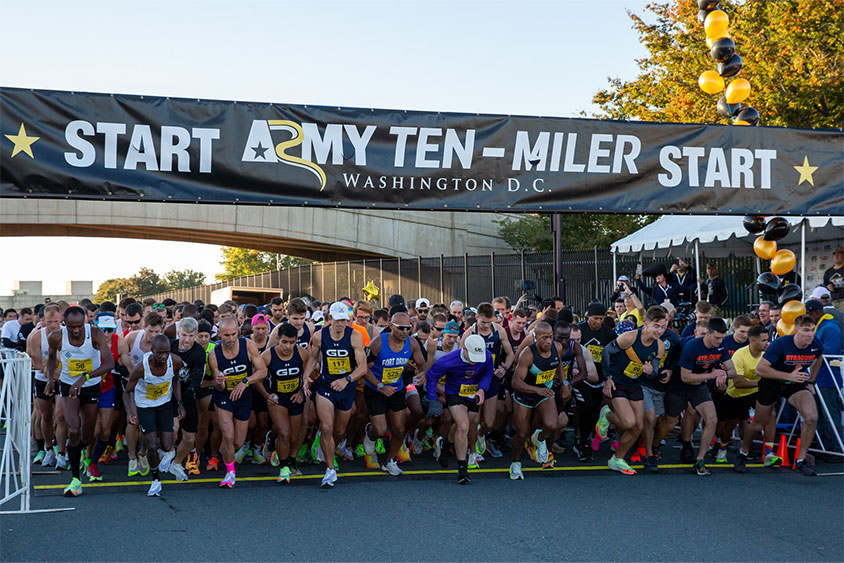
[(748, 114), (727, 110), (754, 223), (723, 49), (701, 15), (768, 283), (707, 4), (790, 292), (776, 228), (731, 67)]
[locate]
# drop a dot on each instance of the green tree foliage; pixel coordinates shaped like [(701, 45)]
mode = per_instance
[(532, 233), (147, 282), (792, 50), (239, 262), (110, 289), (181, 279)]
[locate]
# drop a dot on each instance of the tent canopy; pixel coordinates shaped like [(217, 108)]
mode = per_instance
[(719, 235)]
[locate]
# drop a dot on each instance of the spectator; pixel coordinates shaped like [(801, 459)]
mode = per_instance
[(703, 312), (714, 290), (661, 291), (822, 294), (829, 335), (833, 277), (684, 278)]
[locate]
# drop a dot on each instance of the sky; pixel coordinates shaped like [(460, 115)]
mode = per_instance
[(518, 57)]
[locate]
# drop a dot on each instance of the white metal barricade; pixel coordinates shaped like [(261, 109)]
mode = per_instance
[(15, 430)]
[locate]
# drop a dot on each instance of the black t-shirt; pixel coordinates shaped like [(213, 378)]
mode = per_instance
[(835, 276), (23, 334), (193, 365), (595, 340)]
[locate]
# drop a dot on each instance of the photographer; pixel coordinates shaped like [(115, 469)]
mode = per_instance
[(661, 291)]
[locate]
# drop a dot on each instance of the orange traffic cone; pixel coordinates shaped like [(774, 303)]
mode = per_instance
[(796, 454), (782, 452)]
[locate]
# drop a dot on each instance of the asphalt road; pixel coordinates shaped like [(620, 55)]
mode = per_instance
[(573, 512)]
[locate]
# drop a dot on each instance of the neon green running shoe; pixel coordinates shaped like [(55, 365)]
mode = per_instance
[(274, 461), (74, 489), (603, 424), (302, 456), (379, 446), (315, 447), (360, 451), (283, 475), (771, 459), (336, 465), (621, 466)]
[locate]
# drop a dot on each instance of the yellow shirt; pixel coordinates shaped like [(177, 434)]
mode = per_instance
[(636, 317), (745, 365)]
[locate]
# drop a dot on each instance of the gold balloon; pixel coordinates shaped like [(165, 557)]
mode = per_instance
[(711, 40), (792, 310), (370, 291), (737, 91), (710, 82), (783, 262), (716, 24), (784, 329), (740, 122), (765, 249)]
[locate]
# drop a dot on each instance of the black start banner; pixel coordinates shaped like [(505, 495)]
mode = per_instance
[(125, 147)]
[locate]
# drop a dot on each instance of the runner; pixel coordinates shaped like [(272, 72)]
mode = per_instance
[(38, 348), (467, 372), (85, 358), (538, 367), (632, 355), (783, 372), (255, 442), (153, 385), (384, 389), (342, 359), (236, 366), (191, 374), (286, 364), (732, 342)]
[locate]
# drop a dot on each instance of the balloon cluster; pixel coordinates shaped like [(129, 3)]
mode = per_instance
[(723, 50), (371, 291), (788, 295)]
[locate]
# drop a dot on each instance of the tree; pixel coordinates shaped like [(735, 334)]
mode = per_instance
[(243, 262), (532, 233), (109, 289), (792, 52), (147, 282), (181, 279)]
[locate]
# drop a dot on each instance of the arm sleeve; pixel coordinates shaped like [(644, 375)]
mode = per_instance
[(609, 350)]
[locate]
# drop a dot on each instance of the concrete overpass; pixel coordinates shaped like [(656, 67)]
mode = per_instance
[(323, 234)]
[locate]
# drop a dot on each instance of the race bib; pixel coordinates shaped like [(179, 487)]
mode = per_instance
[(75, 368), (633, 370), (339, 366), (441, 381), (232, 381), (391, 375), (596, 352), (468, 391), (544, 377), (157, 391), (287, 385)]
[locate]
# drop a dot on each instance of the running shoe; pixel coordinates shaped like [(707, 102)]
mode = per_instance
[(348, 454), (438, 447), (274, 461), (228, 480), (283, 475), (133, 468), (427, 444), (721, 456), (360, 451), (404, 454), (516, 471), (621, 466), (319, 457), (493, 449), (418, 446), (541, 447), (316, 451), (336, 465), (166, 460), (772, 459), (480, 458), (740, 465), (379, 446), (473, 461), (480, 443), (700, 468), (344, 453), (392, 467), (39, 457), (804, 469), (596, 443), (328, 479), (192, 464), (213, 464), (154, 488), (119, 444), (241, 452), (106, 457), (295, 471), (83, 463), (614, 445), (368, 443), (62, 462), (49, 458), (531, 450), (74, 489), (603, 424), (258, 456), (442, 457), (179, 471), (550, 463), (93, 472), (302, 456), (143, 465), (463, 477), (651, 464), (636, 458)]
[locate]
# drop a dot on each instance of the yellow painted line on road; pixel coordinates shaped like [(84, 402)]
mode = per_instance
[(378, 474)]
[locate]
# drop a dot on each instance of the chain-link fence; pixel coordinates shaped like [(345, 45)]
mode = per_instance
[(586, 275)]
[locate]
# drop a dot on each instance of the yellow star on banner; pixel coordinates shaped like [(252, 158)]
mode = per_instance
[(806, 171), (22, 142)]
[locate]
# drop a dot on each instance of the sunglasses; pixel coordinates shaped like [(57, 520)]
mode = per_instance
[(159, 306), (403, 327), (438, 328), (421, 310), (128, 322)]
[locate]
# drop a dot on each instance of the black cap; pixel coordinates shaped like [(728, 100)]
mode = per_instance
[(395, 299), (596, 309), (813, 305)]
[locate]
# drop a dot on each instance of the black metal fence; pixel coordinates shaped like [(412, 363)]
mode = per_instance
[(587, 274)]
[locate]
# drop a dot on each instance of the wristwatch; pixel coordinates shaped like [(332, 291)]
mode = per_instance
[(245, 381), (348, 379), (380, 385)]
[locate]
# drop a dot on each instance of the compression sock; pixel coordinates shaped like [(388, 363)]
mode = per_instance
[(74, 453), (686, 445), (40, 443), (155, 475), (463, 465), (99, 448), (229, 467)]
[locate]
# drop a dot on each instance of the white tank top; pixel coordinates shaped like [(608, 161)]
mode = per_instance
[(77, 360), (152, 390), (136, 354), (45, 351)]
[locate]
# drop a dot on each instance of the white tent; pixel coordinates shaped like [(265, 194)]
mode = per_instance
[(720, 235)]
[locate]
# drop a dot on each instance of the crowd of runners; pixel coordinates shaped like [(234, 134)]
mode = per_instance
[(196, 389)]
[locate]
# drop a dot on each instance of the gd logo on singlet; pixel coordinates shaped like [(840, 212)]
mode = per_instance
[(338, 361), (233, 375), (285, 384)]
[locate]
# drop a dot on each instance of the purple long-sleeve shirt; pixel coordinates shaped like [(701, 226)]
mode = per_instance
[(458, 372)]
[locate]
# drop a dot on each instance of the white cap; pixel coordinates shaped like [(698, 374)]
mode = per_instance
[(668, 306), (317, 316), (819, 293), (422, 302), (475, 348), (339, 311)]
